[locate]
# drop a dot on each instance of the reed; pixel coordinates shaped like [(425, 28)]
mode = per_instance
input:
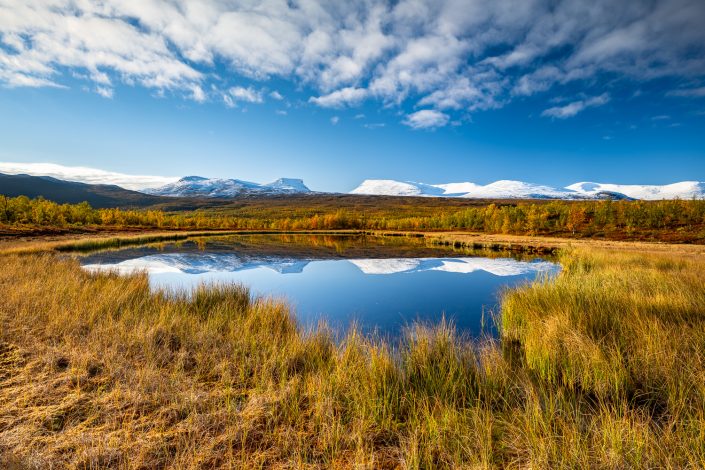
[(602, 366)]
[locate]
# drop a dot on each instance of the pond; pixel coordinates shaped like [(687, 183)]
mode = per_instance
[(380, 284)]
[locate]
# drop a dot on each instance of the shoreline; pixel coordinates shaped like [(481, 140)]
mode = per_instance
[(521, 243)]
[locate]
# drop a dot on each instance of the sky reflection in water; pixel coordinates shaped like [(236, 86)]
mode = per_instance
[(380, 294)]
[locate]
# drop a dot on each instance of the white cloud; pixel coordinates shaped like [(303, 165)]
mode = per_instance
[(197, 94), (276, 95), (688, 92), (85, 175), (248, 95), (464, 94), (86, 36), (16, 80), (571, 109), (334, 120), (344, 97), (426, 119), (435, 53), (105, 92)]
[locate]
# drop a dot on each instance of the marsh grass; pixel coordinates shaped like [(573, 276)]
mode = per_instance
[(601, 367), (100, 243)]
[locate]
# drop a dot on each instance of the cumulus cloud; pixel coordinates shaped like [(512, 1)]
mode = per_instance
[(426, 119), (247, 95), (345, 97), (85, 175), (105, 92), (276, 95), (571, 109), (197, 94), (449, 55), (41, 37), (335, 120)]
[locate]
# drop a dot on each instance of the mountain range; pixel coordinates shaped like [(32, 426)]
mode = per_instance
[(219, 190), (508, 189), (225, 188), (503, 189)]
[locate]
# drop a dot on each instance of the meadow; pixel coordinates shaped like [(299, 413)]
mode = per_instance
[(601, 367)]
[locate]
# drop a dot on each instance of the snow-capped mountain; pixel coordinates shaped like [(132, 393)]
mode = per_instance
[(192, 186), (397, 188), (508, 189), (503, 189), (518, 190), (682, 190), (288, 185)]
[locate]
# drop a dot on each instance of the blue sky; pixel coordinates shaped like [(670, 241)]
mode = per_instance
[(334, 93)]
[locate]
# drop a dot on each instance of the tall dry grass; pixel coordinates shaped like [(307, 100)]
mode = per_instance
[(601, 367), (622, 335)]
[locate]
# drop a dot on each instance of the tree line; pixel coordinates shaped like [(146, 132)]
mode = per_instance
[(574, 218)]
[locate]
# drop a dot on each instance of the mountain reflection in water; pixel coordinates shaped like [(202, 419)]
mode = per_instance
[(380, 286)]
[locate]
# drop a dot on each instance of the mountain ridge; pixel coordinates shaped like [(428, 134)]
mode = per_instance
[(203, 189), (199, 186), (512, 189), (62, 191)]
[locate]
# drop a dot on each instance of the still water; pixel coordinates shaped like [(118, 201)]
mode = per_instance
[(381, 285)]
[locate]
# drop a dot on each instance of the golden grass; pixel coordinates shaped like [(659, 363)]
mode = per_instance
[(602, 367), (100, 241)]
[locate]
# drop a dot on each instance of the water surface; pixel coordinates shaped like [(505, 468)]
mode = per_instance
[(381, 285)]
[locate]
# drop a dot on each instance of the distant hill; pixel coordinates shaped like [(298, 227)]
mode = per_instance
[(97, 195)]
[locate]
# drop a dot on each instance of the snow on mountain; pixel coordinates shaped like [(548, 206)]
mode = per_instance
[(682, 190), (519, 190), (193, 186), (458, 188), (397, 188), (503, 189), (508, 189), (289, 185)]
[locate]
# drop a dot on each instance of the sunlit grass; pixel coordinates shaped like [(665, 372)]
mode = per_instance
[(101, 242), (603, 366)]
